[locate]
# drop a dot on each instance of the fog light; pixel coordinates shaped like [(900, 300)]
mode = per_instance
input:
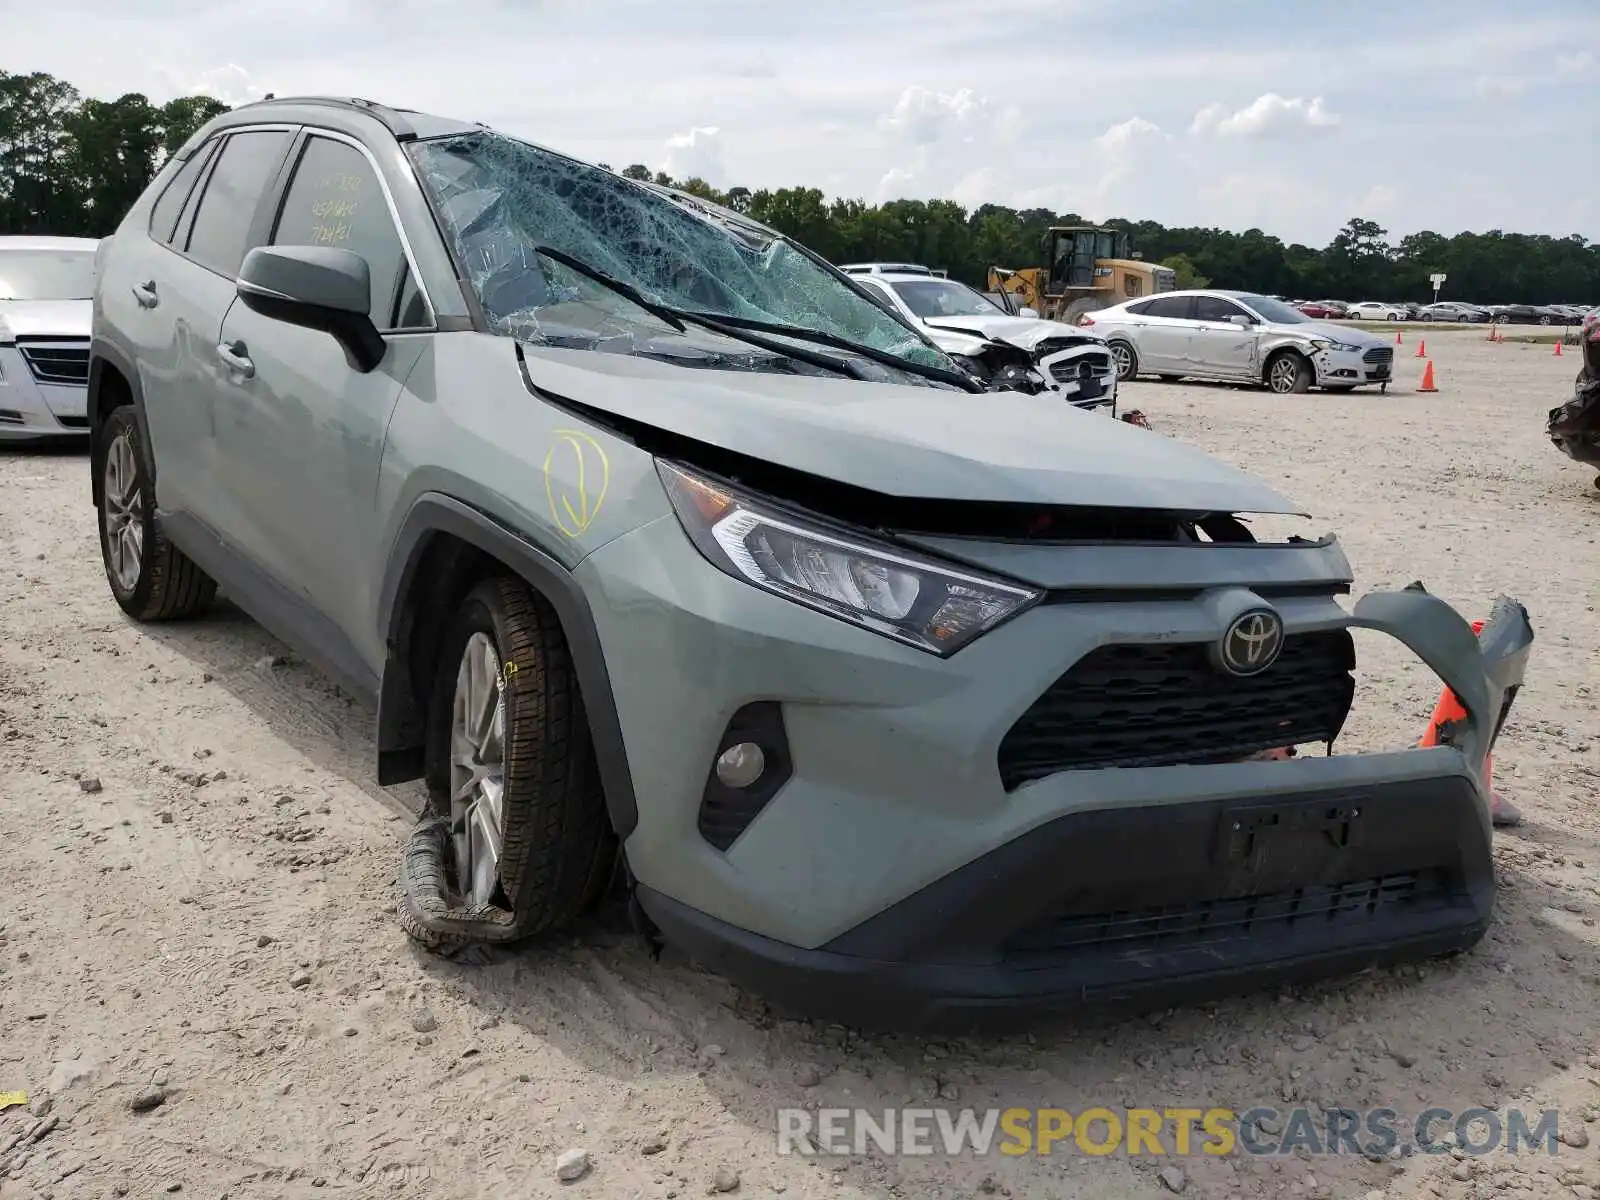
[(741, 765)]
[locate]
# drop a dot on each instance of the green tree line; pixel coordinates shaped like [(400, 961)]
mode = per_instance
[(72, 165)]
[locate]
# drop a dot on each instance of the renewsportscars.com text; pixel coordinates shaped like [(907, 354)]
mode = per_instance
[(1260, 1130)]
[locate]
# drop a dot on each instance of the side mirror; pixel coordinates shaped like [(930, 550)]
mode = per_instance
[(1025, 311), (316, 287), (1242, 321)]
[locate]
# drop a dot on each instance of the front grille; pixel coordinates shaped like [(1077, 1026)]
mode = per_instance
[(57, 360), (1379, 354), (1056, 345), (1075, 368), (1305, 911), (1164, 704)]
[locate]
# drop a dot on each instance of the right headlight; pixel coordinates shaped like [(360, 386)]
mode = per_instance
[(919, 601)]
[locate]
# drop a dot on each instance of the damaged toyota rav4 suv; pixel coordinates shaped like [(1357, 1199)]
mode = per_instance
[(675, 564)]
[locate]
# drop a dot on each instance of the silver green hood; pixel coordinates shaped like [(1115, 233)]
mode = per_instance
[(920, 442)]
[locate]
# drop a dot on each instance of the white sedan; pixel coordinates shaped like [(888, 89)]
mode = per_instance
[(1375, 310)]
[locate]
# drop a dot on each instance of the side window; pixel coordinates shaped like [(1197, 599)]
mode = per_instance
[(164, 214), (220, 235), (1170, 306), (335, 199), (1215, 308), (1140, 309)]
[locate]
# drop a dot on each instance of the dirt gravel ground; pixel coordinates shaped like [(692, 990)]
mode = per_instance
[(197, 921)]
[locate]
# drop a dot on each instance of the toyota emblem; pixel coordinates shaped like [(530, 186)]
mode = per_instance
[(1252, 643)]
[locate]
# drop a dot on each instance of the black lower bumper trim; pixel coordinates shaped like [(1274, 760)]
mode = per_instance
[(1141, 908)]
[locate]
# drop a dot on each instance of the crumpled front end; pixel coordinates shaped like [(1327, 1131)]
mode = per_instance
[(1081, 806), (1077, 369)]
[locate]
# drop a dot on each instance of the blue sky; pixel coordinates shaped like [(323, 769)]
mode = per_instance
[(1290, 116)]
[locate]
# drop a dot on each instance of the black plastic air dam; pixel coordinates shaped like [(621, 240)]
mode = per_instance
[(963, 954)]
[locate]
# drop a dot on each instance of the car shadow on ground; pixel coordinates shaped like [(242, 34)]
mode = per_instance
[(1486, 1028)]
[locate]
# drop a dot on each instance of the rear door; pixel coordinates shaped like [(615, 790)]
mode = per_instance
[(182, 286), (1162, 338), (1219, 346), (302, 430)]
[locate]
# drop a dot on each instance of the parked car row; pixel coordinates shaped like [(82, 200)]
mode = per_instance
[(679, 563), (1443, 310)]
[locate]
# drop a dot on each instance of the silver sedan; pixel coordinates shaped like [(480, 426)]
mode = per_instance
[(1239, 336)]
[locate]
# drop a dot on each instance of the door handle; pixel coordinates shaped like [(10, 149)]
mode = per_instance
[(145, 294), (233, 354)]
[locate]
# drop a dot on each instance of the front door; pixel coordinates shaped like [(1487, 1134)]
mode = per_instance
[(1220, 345), (303, 430)]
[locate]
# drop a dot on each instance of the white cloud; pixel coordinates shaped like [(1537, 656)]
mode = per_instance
[(1269, 115), (937, 135), (1499, 87), (230, 84), (897, 184), (1123, 137), (1207, 119), (924, 118), (696, 155), (1574, 64), (1379, 200)]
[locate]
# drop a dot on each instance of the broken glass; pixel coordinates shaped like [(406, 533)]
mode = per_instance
[(500, 199)]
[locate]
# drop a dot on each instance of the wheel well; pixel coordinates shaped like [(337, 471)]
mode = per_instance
[(1266, 364), (445, 569), (109, 390)]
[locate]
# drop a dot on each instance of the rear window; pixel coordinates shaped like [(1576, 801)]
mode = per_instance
[(1168, 306), (164, 216)]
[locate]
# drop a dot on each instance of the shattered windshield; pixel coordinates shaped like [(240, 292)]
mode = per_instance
[(501, 199)]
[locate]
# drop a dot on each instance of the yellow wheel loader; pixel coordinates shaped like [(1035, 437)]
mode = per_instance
[(1088, 268)]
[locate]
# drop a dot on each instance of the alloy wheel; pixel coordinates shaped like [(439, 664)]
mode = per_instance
[(1284, 373), (477, 770), (122, 512), (1123, 358)]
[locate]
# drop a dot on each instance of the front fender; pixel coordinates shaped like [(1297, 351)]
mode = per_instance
[(1485, 670)]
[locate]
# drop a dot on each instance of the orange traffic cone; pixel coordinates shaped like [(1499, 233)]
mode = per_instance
[(1449, 709), (1427, 379), (1422, 348), (1558, 347), (1397, 337)]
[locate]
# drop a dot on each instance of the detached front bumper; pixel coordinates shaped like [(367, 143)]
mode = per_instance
[(34, 407), (910, 868), (1354, 368)]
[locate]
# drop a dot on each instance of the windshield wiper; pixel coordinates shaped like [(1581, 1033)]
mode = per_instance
[(625, 290), (676, 317), (736, 326)]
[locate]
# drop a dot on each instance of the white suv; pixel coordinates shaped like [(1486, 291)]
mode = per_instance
[(1026, 351), (46, 302)]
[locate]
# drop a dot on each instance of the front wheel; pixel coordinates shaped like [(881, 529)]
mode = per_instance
[(511, 765), (1288, 373), (151, 579), (1126, 360)]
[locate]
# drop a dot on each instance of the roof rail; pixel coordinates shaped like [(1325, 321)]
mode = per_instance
[(393, 118)]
